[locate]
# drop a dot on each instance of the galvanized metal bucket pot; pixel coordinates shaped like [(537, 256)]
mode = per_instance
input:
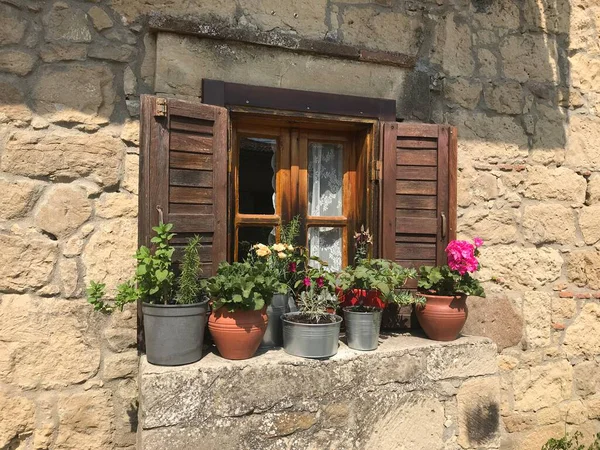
[(274, 334), (362, 329), (174, 333), (311, 340)]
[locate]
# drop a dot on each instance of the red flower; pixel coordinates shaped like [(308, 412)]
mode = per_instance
[(320, 282), (461, 257), (478, 242), (307, 282), (292, 267)]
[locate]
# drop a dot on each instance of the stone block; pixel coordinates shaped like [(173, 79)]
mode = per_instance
[(494, 318), (585, 72), (456, 48), (116, 204), (100, 18), (13, 108), (589, 223), (543, 386), (62, 210), (27, 260), (582, 338), (462, 362), (211, 10), (108, 255), (130, 132), (16, 61), (131, 178), (479, 412), (112, 52), (63, 23), (48, 342), (563, 309), (583, 268), (63, 51), (548, 223), (120, 365), (530, 57), (581, 149), (79, 416), (537, 314), (488, 63), (516, 265), (593, 189), (17, 196), (501, 14), (183, 61), (494, 226), (64, 154), (547, 15), (91, 96), (120, 339), (12, 25), (18, 418), (69, 277), (560, 183), (387, 31), (505, 97), (130, 86), (463, 92), (587, 378)]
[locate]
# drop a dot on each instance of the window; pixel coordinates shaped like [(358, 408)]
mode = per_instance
[(282, 168)]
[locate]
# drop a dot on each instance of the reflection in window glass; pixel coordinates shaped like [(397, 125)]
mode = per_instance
[(326, 243), (257, 167), (325, 178), (248, 236)]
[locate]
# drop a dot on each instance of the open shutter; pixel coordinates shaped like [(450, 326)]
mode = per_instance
[(183, 174), (418, 193)]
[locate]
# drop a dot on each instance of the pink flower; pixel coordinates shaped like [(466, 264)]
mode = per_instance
[(292, 267), (478, 242), (461, 257), (307, 282), (320, 282)]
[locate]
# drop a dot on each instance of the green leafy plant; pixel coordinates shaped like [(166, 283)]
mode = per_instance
[(247, 285), (382, 275), (455, 277), (154, 280), (290, 231), (315, 300), (568, 442), (189, 284)]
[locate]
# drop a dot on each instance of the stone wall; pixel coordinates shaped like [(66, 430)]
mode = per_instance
[(518, 77)]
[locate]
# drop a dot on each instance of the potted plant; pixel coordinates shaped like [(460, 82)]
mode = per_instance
[(174, 310), (241, 292), (313, 332), (369, 285), (445, 290)]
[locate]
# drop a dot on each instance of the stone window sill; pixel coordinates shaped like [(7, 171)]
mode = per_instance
[(409, 388)]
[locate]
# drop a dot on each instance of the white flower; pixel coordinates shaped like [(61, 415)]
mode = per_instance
[(282, 255), (278, 247)]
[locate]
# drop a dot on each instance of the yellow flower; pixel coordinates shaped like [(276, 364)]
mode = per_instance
[(282, 255), (278, 247), (263, 251), (290, 248)]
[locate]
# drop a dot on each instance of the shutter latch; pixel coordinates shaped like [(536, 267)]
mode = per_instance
[(161, 107), (376, 170)]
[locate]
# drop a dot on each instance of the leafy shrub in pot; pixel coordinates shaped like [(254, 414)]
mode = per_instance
[(174, 309), (446, 288), (241, 292)]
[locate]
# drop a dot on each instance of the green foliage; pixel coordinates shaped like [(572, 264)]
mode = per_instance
[(379, 274), (154, 275), (95, 294), (247, 285), (568, 442), (314, 301), (444, 281), (290, 231), (189, 285)]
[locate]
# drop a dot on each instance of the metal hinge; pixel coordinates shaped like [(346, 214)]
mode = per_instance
[(376, 170), (161, 107)]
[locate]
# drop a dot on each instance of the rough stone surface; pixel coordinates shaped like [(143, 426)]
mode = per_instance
[(63, 51), (114, 241), (68, 24), (308, 416), (27, 260), (17, 196), (561, 183), (100, 19), (456, 50), (505, 97), (581, 151), (131, 178), (593, 189), (495, 318), (60, 154), (529, 57), (589, 223), (537, 315), (131, 132), (12, 25), (120, 365), (12, 103), (583, 337), (548, 223), (63, 209), (116, 204), (463, 92), (583, 268), (20, 421), (46, 342), (494, 226), (543, 386), (479, 412), (16, 62)]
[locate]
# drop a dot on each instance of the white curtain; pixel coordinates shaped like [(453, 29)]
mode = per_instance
[(325, 198)]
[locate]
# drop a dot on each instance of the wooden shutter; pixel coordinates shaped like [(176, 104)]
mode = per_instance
[(418, 200), (183, 172)]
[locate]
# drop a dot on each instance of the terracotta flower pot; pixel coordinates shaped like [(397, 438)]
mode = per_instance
[(237, 334), (443, 317), (368, 297)]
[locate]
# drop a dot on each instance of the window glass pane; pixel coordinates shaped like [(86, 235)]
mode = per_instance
[(248, 236), (326, 243), (325, 178), (257, 167)]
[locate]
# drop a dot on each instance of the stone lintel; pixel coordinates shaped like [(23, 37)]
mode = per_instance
[(222, 31), (275, 398)]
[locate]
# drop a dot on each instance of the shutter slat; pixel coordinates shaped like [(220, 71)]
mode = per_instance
[(416, 202), (416, 157), (202, 196), (417, 173), (193, 178), (418, 251), (190, 125), (192, 161), (193, 223), (416, 187), (412, 224), (417, 143), (189, 208), (187, 142)]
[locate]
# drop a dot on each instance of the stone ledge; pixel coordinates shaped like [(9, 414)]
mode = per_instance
[(275, 400)]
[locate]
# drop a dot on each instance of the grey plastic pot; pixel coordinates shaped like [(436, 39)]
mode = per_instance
[(362, 329), (174, 333), (311, 340), (274, 334)]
